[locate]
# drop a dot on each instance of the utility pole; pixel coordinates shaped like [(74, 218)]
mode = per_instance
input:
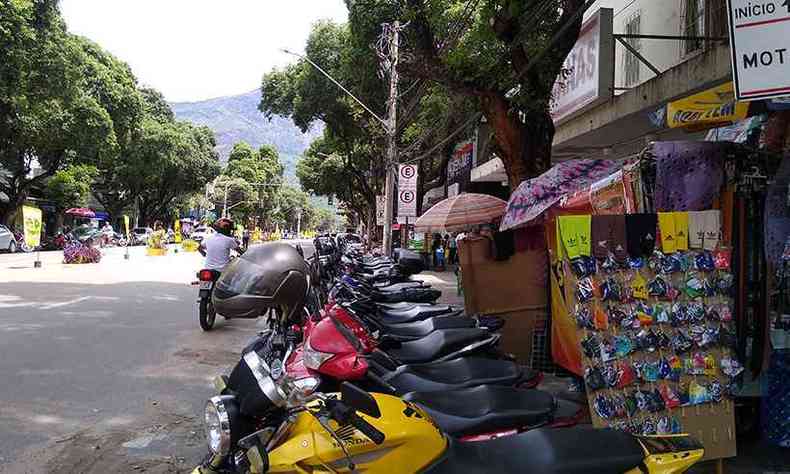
[(298, 223), (392, 150)]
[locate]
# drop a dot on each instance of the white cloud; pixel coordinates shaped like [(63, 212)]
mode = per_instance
[(198, 49)]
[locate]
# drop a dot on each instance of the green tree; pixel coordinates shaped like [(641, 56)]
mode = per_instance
[(71, 187), (241, 151), (48, 118), (496, 52)]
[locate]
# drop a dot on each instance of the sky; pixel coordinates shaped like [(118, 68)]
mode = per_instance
[(193, 50)]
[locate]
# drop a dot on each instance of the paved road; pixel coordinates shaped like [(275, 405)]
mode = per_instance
[(104, 367)]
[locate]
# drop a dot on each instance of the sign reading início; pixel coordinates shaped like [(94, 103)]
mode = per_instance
[(760, 48)]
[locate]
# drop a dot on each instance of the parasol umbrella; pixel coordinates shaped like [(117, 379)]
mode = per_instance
[(534, 196), (459, 212), (81, 212)]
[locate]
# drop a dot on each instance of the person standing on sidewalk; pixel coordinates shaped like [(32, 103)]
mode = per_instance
[(452, 246)]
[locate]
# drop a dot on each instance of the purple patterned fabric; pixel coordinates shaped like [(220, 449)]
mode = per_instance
[(535, 195), (777, 213), (689, 175)]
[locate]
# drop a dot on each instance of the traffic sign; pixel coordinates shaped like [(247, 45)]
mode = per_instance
[(760, 57), (407, 203), (380, 210), (407, 176)]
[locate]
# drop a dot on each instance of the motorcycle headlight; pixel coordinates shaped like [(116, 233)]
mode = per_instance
[(313, 359), (217, 425)]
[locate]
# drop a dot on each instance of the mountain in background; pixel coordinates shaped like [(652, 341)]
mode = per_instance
[(237, 118)]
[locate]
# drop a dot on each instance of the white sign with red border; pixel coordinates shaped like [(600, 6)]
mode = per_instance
[(759, 33), (407, 191)]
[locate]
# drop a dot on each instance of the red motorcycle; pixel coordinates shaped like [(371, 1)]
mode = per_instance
[(472, 398)]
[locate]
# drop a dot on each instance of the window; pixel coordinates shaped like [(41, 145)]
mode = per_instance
[(631, 63), (693, 25)]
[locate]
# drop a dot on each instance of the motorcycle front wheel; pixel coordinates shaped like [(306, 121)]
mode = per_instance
[(207, 314)]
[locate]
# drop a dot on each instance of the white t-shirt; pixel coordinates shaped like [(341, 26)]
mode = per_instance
[(218, 247)]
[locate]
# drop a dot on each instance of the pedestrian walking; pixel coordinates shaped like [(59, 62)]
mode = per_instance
[(245, 238), (452, 245)]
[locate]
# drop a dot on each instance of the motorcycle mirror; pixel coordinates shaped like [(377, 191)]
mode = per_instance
[(359, 400)]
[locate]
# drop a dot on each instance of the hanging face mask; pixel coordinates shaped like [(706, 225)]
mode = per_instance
[(695, 365), (722, 258), (698, 394), (710, 365), (664, 370), (661, 313), (591, 345), (673, 263), (658, 287), (623, 345), (607, 351), (611, 290), (646, 340), (662, 339), (725, 313), (584, 318), (616, 315), (594, 379), (644, 314), (709, 287), (610, 375), (680, 342), (650, 371), (696, 312), (710, 337), (626, 375), (704, 262), (724, 283), (716, 391), (676, 366), (694, 285), (609, 264), (600, 319), (603, 406), (679, 315), (648, 427), (696, 332), (629, 321), (585, 290), (583, 266), (636, 263), (731, 367)]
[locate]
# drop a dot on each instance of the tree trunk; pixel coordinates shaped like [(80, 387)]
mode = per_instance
[(8, 210), (524, 146)]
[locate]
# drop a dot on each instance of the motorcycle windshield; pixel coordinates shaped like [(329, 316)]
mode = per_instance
[(243, 277)]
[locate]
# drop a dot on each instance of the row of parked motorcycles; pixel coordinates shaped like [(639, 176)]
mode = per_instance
[(360, 370)]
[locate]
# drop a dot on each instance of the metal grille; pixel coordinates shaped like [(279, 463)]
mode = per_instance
[(631, 63), (541, 351)]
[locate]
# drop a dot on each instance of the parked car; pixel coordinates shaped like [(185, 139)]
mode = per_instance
[(87, 234), (7, 240), (140, 235), (201, 233)]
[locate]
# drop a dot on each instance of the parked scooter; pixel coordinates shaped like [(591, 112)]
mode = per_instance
[(262, 420)]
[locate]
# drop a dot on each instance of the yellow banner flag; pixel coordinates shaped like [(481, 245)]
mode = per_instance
[(177, 231), (126, 225), (709, 108), (31, 219)]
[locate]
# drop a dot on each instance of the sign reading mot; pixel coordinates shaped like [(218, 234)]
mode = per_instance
[(759, 31)]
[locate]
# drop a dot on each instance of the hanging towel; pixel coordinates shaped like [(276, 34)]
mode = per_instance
[(681, 230), (640, 230), (712, 229), (575, 235), (696, 229), (666, 224), (608, 235)]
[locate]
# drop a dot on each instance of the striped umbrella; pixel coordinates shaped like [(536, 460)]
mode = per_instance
[(460, 212)]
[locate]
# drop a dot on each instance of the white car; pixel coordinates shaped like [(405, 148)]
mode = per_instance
[(201, 233)]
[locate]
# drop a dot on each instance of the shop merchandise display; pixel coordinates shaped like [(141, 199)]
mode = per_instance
[(655, 325)]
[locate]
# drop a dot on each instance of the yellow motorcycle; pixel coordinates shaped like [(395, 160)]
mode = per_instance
[(262, 421)]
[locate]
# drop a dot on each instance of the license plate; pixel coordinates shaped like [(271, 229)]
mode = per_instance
[(206, 285)]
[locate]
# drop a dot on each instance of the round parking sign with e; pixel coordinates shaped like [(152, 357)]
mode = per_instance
[(407, 196), (408, 171)]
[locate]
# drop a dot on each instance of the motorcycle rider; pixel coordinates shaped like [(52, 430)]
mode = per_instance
[(217, 248)]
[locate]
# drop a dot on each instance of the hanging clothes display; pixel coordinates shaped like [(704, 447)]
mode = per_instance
[(689, 175)]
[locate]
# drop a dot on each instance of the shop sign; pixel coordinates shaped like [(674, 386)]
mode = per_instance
[(709, 108), (380, 210), (589, 77), (758, 47), (407, 191), (459, 168)]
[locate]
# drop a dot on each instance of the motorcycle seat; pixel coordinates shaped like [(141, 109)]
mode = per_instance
[(402, 305), (436, 345), (486, 409), (399, 286), (414, 314), (578, 450), (423, 295), (418, 329), (456, 373)]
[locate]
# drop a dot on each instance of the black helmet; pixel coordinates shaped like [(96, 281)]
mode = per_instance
[(271, 275)]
